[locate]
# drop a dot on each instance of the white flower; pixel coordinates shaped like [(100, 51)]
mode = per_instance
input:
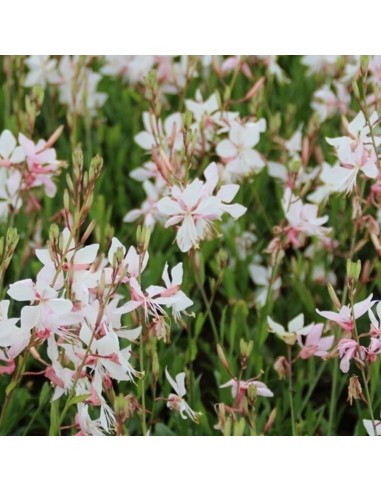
[(176, 401), (295, 327), (10, 153), (42, 70), (261, 276), (47, 314), (368, 424), (353, 161), (170, 132), (195, 208), (238, 152), (359, 131)]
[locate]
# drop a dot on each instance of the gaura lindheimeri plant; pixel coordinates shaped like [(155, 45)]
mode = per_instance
[(194, 283)]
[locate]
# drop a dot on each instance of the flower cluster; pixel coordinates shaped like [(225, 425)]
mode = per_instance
[(24, 167)]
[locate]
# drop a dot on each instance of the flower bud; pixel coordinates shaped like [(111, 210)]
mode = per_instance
[(333, 296), (270, 421), (282, 367), (353, 270), (222, 358)]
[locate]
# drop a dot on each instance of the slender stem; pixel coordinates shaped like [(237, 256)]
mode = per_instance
[(367, 393), (311, 389), (335, 376), (141, 357), (369, 401), (15, 382), (291, 390)]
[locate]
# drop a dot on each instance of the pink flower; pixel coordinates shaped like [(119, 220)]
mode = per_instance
[(374, 349), (42, 164), (239, 389), (195, 208), (344, 317), (303, 219), (349, 349), (314, 343)]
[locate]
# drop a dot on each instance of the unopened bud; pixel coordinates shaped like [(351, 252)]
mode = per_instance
[(333, 296), (282, 367), (270, 421), (246, 348), (356, 91), (155, 366), (364, 60), (252, 393), (353, 270), (295, 164), (88, 231), (222, 357)]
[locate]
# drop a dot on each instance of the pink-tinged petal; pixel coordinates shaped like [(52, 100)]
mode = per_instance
[(19, 344), (30, 316), (187, 235), (226, 149), (373, 319), (171, 381), (236, 210), (155, 290), (176, 219), (60, 306), (135, 286), (145, 140), (192, 193), (133, 215), (368, 424), (7, 144), (44, 256), (370, 169), (26, 144), (131, 306), (362, 307), (262, 389), (177, 274), (313, 338), (23, 290), (253, 131), (166, 206), (330, 315), (108, 344), (115, 244), (259, 275), (47, 156), (18, 155), (227, 192), (172, 124), (345, 362), (326, 343), (180, 382), (130, 335), (211, 176), (86, 255)]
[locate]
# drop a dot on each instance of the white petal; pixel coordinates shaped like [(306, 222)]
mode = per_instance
[(86, 255), (24, 290)]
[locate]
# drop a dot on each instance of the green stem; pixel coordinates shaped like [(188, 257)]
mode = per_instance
[(291, 390), (141, 357)]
